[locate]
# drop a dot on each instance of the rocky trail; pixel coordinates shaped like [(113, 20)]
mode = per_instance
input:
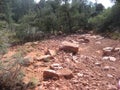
[(74, 62)]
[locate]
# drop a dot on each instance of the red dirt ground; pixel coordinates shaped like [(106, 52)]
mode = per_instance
[(89, 70)]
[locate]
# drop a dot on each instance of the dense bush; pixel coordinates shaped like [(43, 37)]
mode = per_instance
[(108, 20), (6, 37), (98, 21)]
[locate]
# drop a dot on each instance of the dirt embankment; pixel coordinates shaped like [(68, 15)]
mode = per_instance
[(81, 64)]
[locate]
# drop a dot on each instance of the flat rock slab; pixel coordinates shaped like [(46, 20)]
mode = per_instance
[(65, 73), (50, 74), (69, 47)]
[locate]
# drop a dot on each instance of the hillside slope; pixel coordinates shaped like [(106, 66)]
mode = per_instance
[(92, 68)]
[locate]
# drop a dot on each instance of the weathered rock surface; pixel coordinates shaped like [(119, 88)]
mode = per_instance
[(83, 40), (44, 58), (69, 47), (110, 58), (65, 72), (107, 51), (56, 66), (50, 74), (117, 49), (98, 42), (51, 52), (36, 43), (110, 75)]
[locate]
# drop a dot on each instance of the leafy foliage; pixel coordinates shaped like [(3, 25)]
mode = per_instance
[(5, 39), (30, 21), (98, 21), (108, 20)]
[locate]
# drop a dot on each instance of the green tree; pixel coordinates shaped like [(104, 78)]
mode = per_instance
[(21, 8)]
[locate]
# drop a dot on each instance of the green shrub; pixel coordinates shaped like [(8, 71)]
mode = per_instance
[(4, 39), (98, 21), (3, 24), (115, 35)]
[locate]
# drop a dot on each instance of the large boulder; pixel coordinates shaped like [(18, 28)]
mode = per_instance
[(69, 47)]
